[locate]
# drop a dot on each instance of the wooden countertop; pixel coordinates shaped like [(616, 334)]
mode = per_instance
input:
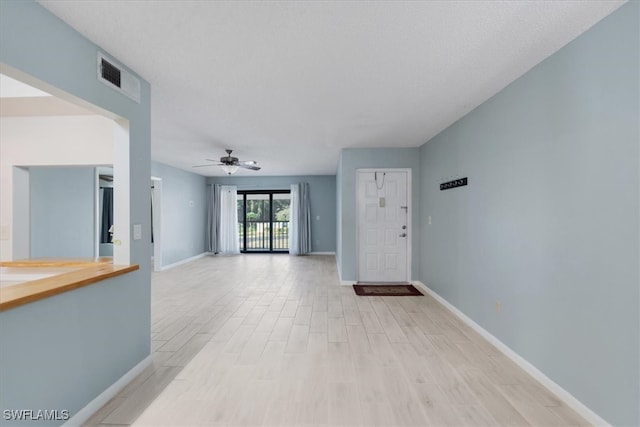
[(86, 273), (56, 262)]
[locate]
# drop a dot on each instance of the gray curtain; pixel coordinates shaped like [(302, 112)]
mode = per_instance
[(107, 215), (300, 220), (213, 219)]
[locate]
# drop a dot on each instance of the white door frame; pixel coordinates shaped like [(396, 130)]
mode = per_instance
[(409, 216), (97, 215), (157, 223)]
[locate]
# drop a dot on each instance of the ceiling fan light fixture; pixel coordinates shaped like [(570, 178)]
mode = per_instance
[(229, 169)]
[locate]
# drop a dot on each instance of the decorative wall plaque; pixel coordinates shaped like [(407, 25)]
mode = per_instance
[(453, 184)]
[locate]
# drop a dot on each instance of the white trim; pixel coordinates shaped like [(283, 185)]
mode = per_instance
[(409, 172), (96, 213), (547, 382), (121, 193), (184, 261), (343, 282), (322, 253), (92, 407), (383, 169)]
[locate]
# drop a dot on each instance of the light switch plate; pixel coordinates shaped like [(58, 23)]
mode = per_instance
[(5, 232), (137, 231), (382, 202)]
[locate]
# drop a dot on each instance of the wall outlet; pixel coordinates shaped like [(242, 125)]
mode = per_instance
[(498, 306)]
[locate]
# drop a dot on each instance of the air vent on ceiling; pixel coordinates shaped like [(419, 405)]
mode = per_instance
[(113, 75)]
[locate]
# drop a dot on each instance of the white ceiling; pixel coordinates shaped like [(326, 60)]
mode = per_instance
[(291, 83), (12, 88), (18, 99)]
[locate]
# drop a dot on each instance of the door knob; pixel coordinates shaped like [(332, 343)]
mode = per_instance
[(404, 227), (403, 235)]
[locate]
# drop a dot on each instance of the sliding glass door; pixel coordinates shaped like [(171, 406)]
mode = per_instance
[(263, 218)]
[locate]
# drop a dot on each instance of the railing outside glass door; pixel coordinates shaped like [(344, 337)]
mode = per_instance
[(264, 220)]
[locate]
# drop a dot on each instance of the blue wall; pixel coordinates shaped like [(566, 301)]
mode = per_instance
[(66, 350), (548, 224), (339, 216), (322, 190), (62, 212), (184, 213), (350, 161)]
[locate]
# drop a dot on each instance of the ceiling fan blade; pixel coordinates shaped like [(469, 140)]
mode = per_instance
[(249, 165), (204, 166)]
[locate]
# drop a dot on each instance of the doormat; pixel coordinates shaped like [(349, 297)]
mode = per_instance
[(386, 290)]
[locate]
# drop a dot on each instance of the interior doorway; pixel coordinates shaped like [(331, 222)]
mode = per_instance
[(383, 216), (43, 126)]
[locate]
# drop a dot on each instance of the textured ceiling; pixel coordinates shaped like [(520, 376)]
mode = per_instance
[(290, 84)]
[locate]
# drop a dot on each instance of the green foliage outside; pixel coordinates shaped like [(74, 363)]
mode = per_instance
[(283, 214), (258, 212)]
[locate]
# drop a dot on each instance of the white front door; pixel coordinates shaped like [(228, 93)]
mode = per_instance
[(383, 228)]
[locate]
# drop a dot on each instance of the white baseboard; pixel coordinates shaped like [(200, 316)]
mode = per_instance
[(346, 282), (184, 261), (547, 382), (92, 407), (343, 282), (322, 253)]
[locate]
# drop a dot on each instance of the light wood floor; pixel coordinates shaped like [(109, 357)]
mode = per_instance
[(274, 340)]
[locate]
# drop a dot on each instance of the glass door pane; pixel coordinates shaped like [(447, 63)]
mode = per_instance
[(258, 231), (280, 221)]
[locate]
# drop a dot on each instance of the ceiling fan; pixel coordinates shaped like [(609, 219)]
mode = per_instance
[(231, 164)]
